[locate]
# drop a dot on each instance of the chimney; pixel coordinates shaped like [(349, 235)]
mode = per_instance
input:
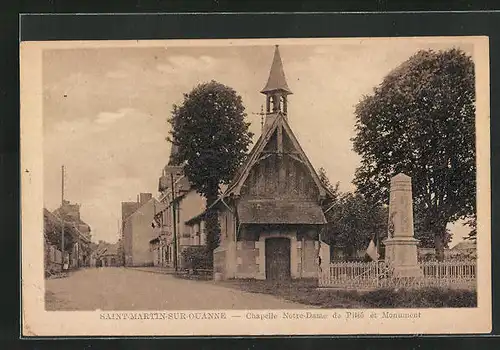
[(144, 197)]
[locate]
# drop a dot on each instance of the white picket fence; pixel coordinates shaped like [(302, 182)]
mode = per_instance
[(449, 273), (369, 275), (351, 275)]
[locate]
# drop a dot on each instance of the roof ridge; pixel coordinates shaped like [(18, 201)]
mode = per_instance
[(140, 206)]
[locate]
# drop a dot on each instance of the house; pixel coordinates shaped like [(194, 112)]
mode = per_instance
[(79, 255), (106, 255), (128, 208), (340, 253), (77, 233), (464, 249), (53, 258), (179, 202), (270, 214), (93, 254), (137, 230), (425, 254)]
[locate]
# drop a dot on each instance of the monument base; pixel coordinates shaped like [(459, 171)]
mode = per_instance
[(401, 255), (407, 272)]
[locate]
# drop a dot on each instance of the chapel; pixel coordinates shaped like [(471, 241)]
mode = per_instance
[(270, 214)]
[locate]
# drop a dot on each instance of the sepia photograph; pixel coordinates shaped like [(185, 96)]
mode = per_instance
[(288, 186)]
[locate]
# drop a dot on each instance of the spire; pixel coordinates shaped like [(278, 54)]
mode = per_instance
[(276, 89), (277, 80)]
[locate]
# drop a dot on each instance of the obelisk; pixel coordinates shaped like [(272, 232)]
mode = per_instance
[(400, 245)]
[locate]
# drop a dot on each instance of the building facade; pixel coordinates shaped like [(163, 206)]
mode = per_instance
[(137, 230), (106, 255), (77, 234), (179, 202), (270, 215)]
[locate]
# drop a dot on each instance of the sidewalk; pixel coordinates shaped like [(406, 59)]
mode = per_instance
[(153, 269), (183, 274)]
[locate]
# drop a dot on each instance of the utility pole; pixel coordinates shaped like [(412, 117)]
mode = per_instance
[(120, 242), (120, 238), (62, 216), (174, 220)]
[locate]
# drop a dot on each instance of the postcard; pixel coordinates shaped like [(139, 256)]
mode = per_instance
[(255, 187)]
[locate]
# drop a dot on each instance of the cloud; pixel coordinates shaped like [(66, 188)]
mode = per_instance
[(104, 165), (111, 117), (187, 63)]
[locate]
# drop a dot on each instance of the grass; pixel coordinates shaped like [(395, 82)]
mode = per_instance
[(306, 292)]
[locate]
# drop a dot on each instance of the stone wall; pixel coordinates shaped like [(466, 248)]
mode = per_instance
[(52, 259), (225, 260), (324, 252), (220, 260), (307, 262), (247, 256), (228, 226)]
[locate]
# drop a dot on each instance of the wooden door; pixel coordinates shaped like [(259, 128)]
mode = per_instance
[(277, 258)]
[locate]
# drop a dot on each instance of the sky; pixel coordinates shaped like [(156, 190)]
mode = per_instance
[(105, 110)]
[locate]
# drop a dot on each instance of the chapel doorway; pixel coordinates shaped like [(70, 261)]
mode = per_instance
[(277, 259)]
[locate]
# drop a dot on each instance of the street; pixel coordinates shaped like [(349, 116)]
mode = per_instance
[(118, 288)]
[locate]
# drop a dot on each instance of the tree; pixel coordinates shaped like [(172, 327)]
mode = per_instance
[(356, 223), (351, 220), (333, 191), (323, 177), (53, 235), (212, 136), (420, 121), (472, 223)]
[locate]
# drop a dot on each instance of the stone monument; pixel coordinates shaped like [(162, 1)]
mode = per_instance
[(400, 245)]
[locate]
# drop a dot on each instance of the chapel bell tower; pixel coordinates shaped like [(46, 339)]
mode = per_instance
[(276, 89)]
